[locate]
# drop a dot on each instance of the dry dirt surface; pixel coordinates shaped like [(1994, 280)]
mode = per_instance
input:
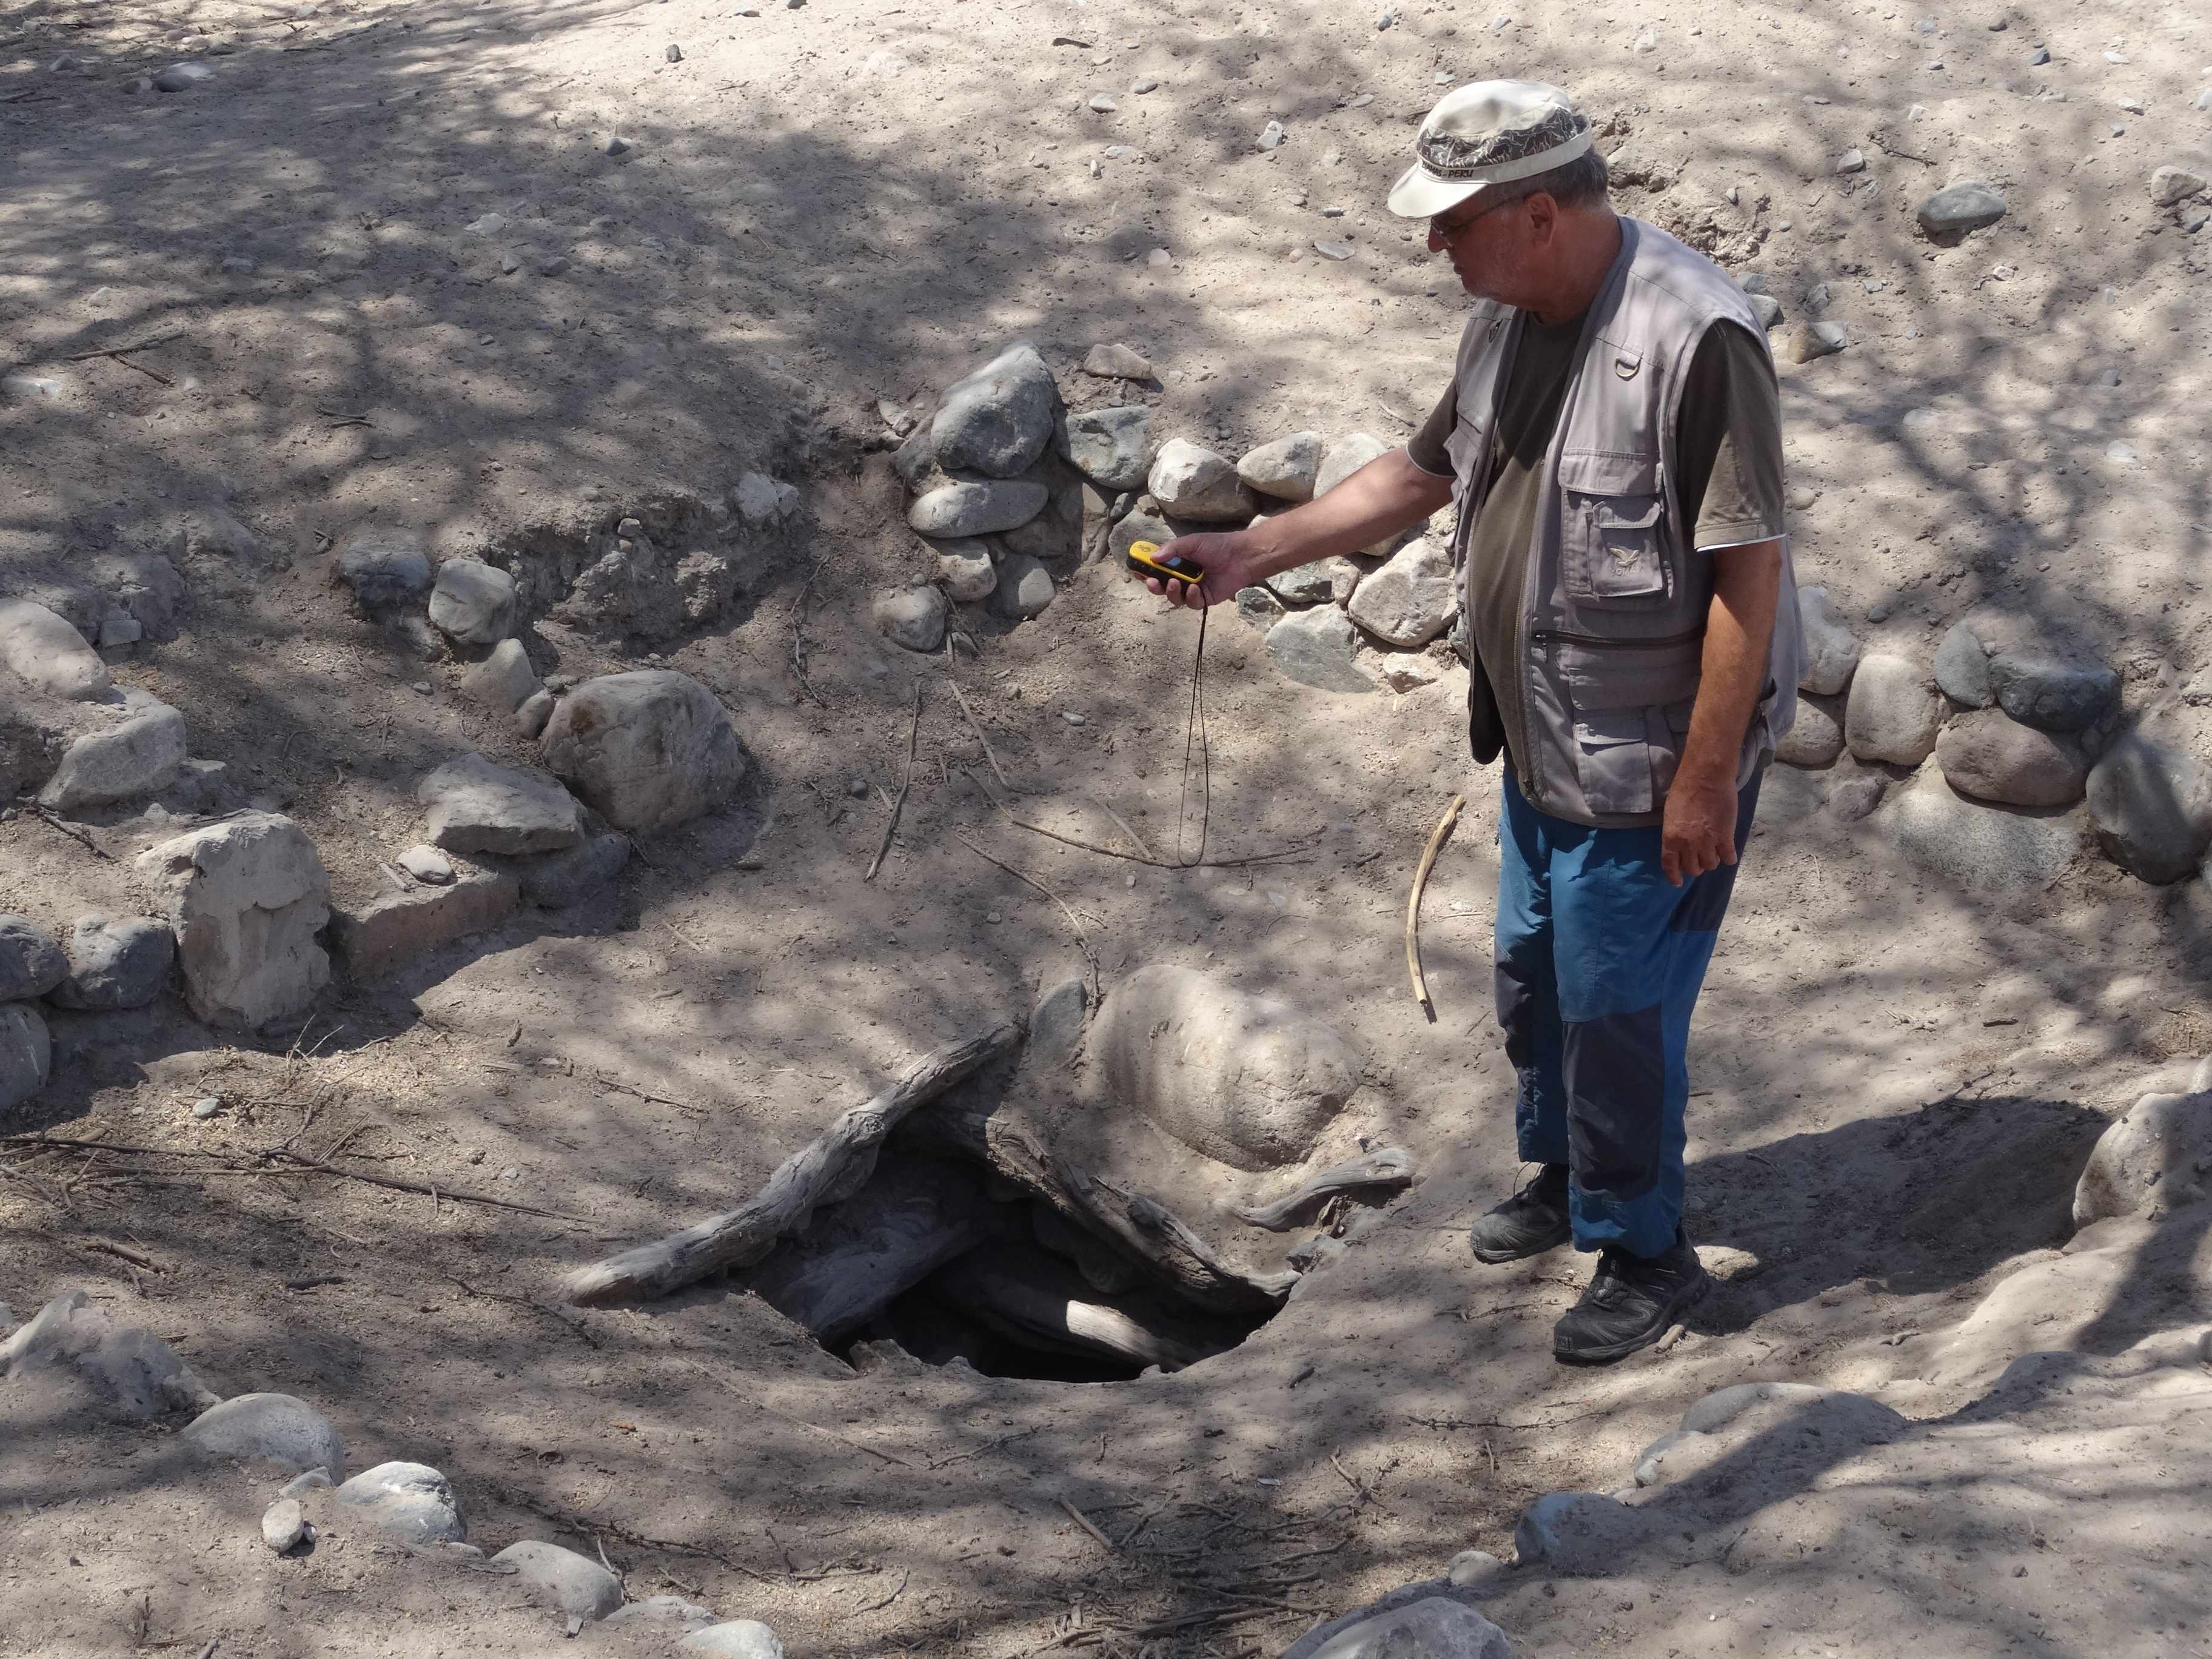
[(381, 268)]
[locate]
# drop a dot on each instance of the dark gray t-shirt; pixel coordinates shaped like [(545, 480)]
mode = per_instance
[(1727, 462)]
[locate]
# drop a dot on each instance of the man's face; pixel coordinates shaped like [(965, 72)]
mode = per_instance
[(1488, 247)]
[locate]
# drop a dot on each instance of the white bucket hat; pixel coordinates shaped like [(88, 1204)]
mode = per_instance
[(1485, 133)]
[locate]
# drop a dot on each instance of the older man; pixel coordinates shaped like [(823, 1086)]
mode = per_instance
[(1612, 438)]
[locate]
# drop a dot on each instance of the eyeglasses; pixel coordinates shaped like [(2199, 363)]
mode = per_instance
[(1445, 229)]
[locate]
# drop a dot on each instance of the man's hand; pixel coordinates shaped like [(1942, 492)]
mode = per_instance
[(1697, 830), (1225, 556)]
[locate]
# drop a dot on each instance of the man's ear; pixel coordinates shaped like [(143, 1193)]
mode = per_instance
[(1543, 215)]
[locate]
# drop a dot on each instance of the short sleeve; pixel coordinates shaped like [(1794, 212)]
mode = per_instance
[(1729, 442), (1427, 450)]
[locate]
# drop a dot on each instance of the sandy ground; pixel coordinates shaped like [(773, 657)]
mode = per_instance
[(825, 206)]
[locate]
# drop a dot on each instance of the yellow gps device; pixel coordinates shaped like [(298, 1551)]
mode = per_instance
[(1146, 561)]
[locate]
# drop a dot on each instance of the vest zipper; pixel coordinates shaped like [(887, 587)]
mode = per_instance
[(1551, 635)]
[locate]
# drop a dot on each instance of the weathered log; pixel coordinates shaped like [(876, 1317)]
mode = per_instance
[(902, 1226), (1104, 1267), (1042, 1300), (1139, 1225), (827, 1168), (1389, 1166)]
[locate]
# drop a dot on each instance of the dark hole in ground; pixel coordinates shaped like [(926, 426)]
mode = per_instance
[(950, 1262)]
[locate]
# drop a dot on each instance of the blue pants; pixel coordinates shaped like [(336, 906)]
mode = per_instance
[(1599, 964)]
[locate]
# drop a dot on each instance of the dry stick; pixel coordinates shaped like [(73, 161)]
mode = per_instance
[(1084, 1522), (799, 631), (886, 1601), (1127, 828), (1436, 839), (113, 351), (397, 1186), (73, 833), (104, 1248), (574, 1329), (151, 374), (976, 726), (830, 1166), (1083, 944), (1281, 855), (898, 806)]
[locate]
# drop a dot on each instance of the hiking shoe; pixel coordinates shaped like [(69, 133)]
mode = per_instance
[(1630, 1302), (1532, 1221)]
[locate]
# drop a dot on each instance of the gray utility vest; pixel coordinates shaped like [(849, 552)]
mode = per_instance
[(1613, 629)]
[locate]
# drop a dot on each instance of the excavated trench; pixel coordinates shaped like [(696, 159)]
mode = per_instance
[(953, 1258)]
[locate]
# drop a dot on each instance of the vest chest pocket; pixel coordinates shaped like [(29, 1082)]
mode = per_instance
[(1613, 552)]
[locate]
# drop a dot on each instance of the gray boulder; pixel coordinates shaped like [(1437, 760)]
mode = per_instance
[(2158, 1151), (38, 645), (2052, 690), (115, 963), (556, 881), (1117, 361), (1144, 522), (502, 682), (1346, 457), (1250, 1081), (268, 1429), (1953, 211), (1815, 738), (140, 753), (1024, 587), (974, 507), (1259, 607), (31, 962), (646, 749), (1831, 650), (998, 420), (1285, 468), (2175, 182), (1054, 534), (561, 1578), (914, 460), (763, 501), (1984, 849), (1412, 599), (738, 1639), (1316, 647), (411, 1501), (26, 1054), (247, 897), (913, 617), (1112, 447), (662, 1610), (473, 603), (1189, 482), (1318, 582), (393, 929), (963, 568), (1893, 713), (2151, 808), (1579, 1534), (478, 805), (1991, 756), (132, 1373), (385, 567), (530, 719), (284, 1525), (1056, 1023), (1962, 667), (1433, 1627)]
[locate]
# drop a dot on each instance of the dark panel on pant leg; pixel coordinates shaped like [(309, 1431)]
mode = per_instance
[(1616, 1075)]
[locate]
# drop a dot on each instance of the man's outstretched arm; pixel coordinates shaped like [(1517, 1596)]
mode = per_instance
[(1388, 494)]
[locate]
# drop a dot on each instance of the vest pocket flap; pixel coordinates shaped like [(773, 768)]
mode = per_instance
[(1629, 512), (1601, 728), (1630, 676), (1606, 472)]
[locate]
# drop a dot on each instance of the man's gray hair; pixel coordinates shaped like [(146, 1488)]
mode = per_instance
[(1580, 183)]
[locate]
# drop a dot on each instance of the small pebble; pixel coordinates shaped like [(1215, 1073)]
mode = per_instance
[(1334, 250), (554, 266), (2040, 56), (1271, 137), (858, 789), (675, 54), (615, 146), (1147, 84), (207, 1107), (1104, 102), (509, 1173), (283, 1526), (421, 687), (993, 917)]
